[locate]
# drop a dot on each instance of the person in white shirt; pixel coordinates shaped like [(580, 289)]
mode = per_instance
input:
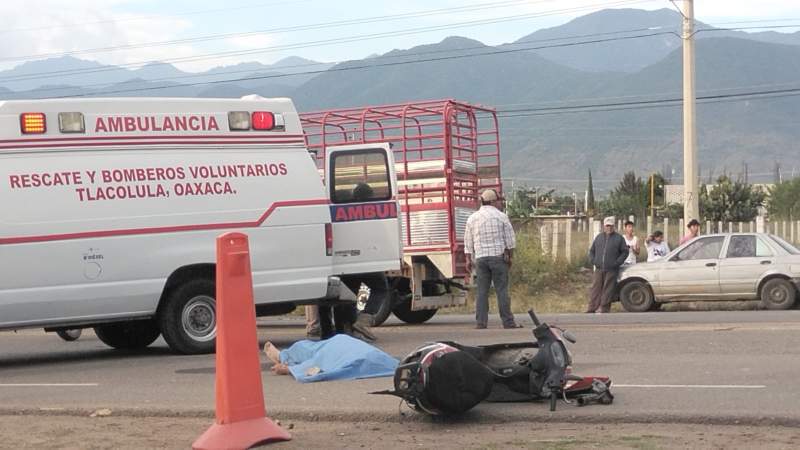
[(489, 243), (656, 247), (633, 244)]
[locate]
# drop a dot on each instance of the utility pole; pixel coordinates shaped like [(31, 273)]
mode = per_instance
[(691, 205)]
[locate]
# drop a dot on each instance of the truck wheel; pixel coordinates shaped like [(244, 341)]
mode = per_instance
[(379, 305), (403, 312), (778, 293), (636, 296), (188, 318), (128, 335)]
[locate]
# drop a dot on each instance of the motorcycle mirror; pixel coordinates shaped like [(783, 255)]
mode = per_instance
[(569, 336)]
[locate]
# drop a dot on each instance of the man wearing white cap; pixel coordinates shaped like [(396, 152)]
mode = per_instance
[(608, 252), (489, 243)]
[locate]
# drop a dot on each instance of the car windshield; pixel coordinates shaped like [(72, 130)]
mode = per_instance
[(791, 249)]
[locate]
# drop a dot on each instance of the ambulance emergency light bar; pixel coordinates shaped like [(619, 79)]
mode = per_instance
[(73, 122), (257, 120)]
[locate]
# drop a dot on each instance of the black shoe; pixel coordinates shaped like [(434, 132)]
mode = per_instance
[(513, 325), (480, 327)]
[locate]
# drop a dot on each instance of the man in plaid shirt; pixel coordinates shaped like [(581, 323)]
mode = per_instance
[(489, 246)]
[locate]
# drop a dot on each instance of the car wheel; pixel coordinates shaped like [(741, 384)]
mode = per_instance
[(128, 335), (778, 293), (636, 296), (188, 318)]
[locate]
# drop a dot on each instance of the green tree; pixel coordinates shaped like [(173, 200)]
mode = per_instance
[(590, 207), (629, 198), (520, 203), (730, 201), (784, 200)]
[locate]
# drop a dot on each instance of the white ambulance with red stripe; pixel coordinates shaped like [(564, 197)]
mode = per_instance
[(111, 207)]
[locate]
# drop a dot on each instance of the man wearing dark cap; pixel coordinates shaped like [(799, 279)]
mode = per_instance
[(694, 231)]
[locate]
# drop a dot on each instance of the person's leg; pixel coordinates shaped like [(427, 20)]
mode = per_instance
[(344, 316), (500, 281), (484, 274), (326, 322), (609, 290), (596, 292), (312, 319)]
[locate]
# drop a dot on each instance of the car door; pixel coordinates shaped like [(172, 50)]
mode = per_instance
[(693, 271), (362, 188), (747, 257)]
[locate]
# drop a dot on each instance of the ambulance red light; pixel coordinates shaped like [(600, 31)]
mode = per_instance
[(32, 123), (263, 120), (328, 239)]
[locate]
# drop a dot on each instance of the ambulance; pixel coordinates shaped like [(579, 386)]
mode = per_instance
[(111, 208)]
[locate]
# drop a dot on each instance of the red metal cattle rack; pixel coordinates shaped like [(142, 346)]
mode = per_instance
[(445, 151)]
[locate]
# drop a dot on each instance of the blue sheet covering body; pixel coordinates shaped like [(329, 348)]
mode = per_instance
[(339, 358)]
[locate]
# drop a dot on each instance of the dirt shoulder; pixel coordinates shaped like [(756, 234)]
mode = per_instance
[(80, 432)]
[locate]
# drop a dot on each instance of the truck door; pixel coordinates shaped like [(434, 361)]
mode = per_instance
[(362, 189)]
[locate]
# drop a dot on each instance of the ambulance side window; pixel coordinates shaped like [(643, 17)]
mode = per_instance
[(360, 176)]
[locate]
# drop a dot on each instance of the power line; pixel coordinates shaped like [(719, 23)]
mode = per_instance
[(277, 30), (384, 57), (616, 106), (150, 17), (319, 43), (372, 66)]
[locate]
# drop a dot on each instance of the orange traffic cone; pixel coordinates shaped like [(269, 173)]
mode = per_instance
[(241, 418)]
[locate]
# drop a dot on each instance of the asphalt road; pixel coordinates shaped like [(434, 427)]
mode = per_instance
[(690, 367)]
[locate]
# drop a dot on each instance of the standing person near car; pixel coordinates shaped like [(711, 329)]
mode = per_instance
[(694, 231), (607, 253), (633, 244), (656, 247), (489, 243)]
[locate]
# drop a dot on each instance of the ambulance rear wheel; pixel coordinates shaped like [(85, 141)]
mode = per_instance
[(188, 318), (130, 335), (403, 312)]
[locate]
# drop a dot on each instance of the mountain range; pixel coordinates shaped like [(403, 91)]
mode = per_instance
[(634, 58)]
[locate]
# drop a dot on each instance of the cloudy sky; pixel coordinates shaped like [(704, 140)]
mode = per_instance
[(199, 34)]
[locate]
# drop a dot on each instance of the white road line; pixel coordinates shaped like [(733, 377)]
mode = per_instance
[(692, 386), (49, 384)]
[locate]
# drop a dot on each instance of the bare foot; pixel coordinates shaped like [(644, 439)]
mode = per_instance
[(272, 352), (280, 369)]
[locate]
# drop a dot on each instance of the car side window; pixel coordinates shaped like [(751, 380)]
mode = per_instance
[(742, 247), (703, 248), (763, 249), (360, 176)]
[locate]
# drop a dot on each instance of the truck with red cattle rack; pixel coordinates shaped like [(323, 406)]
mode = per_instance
[(445, 153)]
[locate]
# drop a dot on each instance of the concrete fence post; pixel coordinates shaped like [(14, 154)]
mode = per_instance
[(720, 227), (783, 230), (568, 241), (708, 227), (741, 227), (546, 236), (555, 240), (666, 229), (752, 226), (760, 224), (730, 227), (649, 225)]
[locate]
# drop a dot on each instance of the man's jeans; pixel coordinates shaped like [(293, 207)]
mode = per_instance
[(492, 269)]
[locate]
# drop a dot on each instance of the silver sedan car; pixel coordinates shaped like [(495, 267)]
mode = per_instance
[(728, 266)]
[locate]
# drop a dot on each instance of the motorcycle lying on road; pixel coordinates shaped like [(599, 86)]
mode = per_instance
[(450, 378)]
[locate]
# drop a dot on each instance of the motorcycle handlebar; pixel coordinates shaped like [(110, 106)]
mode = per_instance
[(534, 318)]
